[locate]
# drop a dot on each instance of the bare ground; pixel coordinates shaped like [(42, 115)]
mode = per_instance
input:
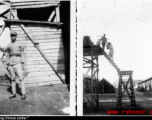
[(42, 100), (108, 102)]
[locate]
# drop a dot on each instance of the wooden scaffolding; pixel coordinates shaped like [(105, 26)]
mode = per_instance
[(125, 85), (90, 59)]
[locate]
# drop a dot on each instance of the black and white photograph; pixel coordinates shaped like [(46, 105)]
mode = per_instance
[(35, 58), (75, 58), (116, 38)]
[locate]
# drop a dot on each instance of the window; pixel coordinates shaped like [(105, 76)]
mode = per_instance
[(37, 14)]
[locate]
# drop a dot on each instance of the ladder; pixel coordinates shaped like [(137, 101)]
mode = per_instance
[(111, 61), (125, 86)]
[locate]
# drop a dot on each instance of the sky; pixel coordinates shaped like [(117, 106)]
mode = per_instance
[(128, 26)]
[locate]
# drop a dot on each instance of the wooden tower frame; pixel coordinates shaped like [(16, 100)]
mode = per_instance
[(90, 58)]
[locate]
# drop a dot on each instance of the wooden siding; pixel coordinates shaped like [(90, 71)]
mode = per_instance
[(39, 72)]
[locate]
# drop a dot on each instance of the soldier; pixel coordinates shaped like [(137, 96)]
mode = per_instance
[(15, 60), (104, 41), (111, 51)]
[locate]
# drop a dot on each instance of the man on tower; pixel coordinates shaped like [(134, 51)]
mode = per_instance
[(104, 41)]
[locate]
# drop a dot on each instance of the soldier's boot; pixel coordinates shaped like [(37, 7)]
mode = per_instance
[(13, 96), (23, 97)]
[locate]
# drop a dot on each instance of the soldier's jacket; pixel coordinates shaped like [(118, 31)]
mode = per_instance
[(104, 39), (14, 53)]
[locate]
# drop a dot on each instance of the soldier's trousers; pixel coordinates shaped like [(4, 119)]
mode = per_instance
[(16, 73), (103, 45)]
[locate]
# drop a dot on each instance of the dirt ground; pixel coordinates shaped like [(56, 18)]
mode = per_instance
[(42, 100), (107, 102)]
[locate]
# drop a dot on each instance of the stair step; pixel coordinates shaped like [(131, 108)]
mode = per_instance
[(111, 61)]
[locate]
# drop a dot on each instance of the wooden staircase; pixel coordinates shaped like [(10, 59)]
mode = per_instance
[(124, 86), (111, 61)]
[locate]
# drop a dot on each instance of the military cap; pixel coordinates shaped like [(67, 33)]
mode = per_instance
[(13, 33)]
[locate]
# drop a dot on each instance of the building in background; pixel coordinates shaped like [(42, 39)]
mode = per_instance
[(104, 86), (145, 85)]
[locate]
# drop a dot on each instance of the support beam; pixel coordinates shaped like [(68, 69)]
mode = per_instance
[(10, 14), (33, 22), (129, 90), (57, 14), (5, 12), (125, 88), (14, 14), (34, 2), (32, 6), (92, 77), (55, 20), (93, 83), (51, 16), (97, 83), (2, 29)]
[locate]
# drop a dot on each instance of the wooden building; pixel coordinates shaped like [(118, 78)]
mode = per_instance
[(145, 85), (104, 86), (45, 38)]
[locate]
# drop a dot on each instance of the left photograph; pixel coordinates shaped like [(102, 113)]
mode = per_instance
[(35, 57)]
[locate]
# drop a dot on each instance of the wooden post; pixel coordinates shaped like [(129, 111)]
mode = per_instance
[(14, 13), (51, 16), (2, 29), (84, 83), (42, 53), (92, 77), (10, 13), (55, 20), (57, 14), (97, 82), (5, 12), (150, 85)]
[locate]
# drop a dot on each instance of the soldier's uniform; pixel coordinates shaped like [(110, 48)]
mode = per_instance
[(104, 41), (111, 51), (15, 65)]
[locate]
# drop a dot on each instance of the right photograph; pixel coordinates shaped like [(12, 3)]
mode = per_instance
[(116, 37)]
